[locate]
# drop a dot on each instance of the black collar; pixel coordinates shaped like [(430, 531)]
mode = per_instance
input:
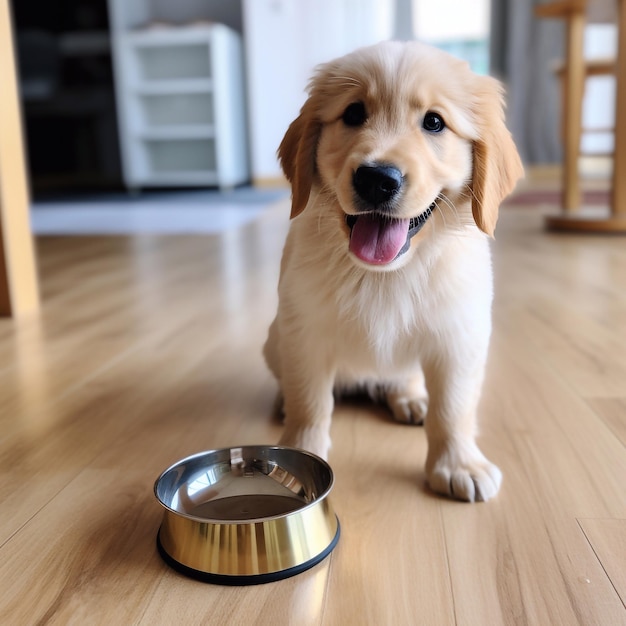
[(417, 223)]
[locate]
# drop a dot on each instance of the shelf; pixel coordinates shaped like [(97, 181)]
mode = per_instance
[(176, 155), (81, 44), (173, 85), (181, 102), (194, 112), (178, 131), (182, 35), (201, 178), (165, 63)]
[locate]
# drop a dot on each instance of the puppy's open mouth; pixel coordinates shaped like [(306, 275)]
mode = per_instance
[(378, 239)]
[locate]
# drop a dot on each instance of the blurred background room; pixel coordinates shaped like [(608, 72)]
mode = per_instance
[(148, 114)]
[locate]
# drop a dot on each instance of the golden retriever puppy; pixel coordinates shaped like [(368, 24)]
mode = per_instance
[(398, 162)]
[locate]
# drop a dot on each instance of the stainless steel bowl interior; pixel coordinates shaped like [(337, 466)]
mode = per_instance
[(244, 484)]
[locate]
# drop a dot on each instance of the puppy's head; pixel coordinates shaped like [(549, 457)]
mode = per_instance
[(396, 133)]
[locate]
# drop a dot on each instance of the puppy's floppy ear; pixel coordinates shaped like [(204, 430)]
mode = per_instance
[(297, 157), (497, 165)]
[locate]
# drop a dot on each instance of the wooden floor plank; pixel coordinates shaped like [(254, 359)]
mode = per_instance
[(518, 560), (391, 562), (612, 411), (148, 349), (99, 550), (608, 540)]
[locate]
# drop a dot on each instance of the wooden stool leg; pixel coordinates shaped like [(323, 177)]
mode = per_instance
[(571, 218), (618, 204), (572, 111)]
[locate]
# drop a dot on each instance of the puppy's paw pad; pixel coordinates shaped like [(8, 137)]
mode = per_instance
[(408, 410), (472, 479)]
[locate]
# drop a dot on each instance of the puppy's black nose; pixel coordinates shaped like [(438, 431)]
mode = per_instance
[(377, 184)]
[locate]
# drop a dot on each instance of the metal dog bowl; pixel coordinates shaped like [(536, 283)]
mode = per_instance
[(247, 515)]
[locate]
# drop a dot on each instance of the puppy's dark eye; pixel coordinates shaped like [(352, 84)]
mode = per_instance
[(433, 122), (355, 114)]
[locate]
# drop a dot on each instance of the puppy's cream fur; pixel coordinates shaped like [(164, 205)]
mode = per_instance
[(415, 330)]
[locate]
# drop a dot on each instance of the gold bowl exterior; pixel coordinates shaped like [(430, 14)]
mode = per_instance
[(245, 551), (257, 548)]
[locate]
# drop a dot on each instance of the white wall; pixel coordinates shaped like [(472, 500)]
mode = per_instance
[(599, 100), (284, 40), (446, 20)]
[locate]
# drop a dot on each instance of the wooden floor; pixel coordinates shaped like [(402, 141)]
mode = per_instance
[(148, 350)]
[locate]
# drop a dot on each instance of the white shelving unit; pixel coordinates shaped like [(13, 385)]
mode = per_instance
[(180, 100)]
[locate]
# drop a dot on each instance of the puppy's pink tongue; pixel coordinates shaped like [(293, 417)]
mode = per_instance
[(378, 240)]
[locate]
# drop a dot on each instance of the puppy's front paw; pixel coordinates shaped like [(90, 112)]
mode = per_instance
[(314, 439), (407, 409), (461, 471)]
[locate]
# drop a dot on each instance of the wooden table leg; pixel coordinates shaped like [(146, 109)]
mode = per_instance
[(19, 292)]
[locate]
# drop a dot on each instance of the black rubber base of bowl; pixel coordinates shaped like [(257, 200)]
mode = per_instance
[(256, 579)]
